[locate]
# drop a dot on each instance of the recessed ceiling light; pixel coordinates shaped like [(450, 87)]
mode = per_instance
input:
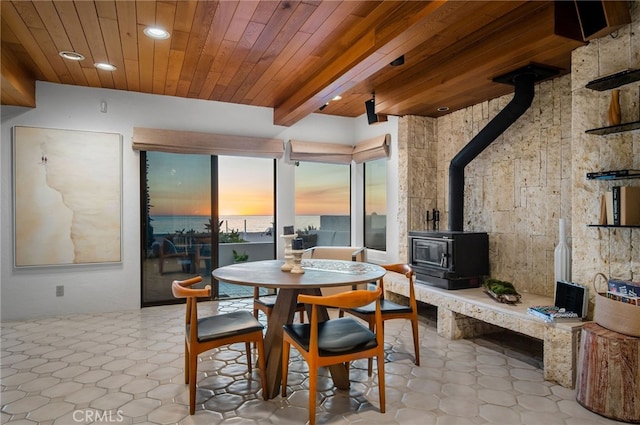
[(156, 33), (443, 109), (72, 56), (338, 97), (105, 66)]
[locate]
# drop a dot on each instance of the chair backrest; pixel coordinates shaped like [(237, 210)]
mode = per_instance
[(181, 289), (406, 270), (347, 253), (344, 300)]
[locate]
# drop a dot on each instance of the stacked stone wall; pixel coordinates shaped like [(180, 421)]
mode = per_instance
[(516, 190), (535, 172), (614, 252)]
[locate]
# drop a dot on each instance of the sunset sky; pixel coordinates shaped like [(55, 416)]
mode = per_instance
[(178, 186)]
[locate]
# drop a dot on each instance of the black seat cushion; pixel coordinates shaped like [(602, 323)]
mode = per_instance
[(336, 336), (386, 306), (270, 301), (228, 324)]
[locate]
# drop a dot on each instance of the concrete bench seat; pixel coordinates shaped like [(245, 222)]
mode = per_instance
[(468, 313)]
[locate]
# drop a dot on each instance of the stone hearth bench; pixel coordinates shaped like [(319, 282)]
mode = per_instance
[(468, 313)]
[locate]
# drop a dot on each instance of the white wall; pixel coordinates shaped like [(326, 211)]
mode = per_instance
[(30, 292)]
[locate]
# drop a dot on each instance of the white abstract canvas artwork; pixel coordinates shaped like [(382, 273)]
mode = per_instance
[(67, 197)]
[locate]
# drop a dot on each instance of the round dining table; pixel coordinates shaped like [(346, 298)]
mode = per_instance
[(317, 274)]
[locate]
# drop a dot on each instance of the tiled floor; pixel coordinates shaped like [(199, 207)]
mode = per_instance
[(126, 368)]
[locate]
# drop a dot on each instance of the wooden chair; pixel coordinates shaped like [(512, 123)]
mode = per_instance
[(204, 334), (353, 253), (265, 303), (335, 341), (391, 310), (346, 253)]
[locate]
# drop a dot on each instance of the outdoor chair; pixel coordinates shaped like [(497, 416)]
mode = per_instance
[(204, 334), (391, 310), (167, 249), (335, 341)]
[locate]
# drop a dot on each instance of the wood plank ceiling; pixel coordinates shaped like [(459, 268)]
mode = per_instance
[(293, 56)]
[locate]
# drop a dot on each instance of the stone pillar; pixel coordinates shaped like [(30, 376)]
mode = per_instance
[(417, 176)]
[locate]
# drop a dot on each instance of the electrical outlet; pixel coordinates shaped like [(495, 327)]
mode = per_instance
[(60, 291)]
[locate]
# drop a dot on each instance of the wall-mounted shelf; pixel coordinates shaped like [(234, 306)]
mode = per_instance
[(614, 80), (629, 126), (611, 82), (612, 226), (614, 175)]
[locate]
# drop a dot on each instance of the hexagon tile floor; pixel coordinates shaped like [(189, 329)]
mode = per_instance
[(126, 368)]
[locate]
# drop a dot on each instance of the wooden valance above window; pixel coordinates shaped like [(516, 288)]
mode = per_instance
[(176, 141), (334, 153), (331, 153), (371, 149)]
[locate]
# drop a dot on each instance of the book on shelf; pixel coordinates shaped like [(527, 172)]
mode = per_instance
[(609, 207), (615, 195), (620, 206), (603, 210), (613, 174), (629, 206)]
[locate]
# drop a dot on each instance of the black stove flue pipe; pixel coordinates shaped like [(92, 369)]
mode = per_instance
[(523, 80)]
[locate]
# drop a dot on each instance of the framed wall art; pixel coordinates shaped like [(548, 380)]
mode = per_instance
[(67, 197)]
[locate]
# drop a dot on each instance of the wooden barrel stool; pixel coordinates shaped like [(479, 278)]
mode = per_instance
[(608, 381)]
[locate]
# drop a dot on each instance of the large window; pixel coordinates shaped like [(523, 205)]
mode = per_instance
[(322, 204), (375, 204), (201, 212)]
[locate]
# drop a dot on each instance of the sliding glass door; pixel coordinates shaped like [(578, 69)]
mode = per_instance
[(200, 212), (246, 212)]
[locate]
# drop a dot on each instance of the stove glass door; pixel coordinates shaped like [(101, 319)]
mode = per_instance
[(431, 252)]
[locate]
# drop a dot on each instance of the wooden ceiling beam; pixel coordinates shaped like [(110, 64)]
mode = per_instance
[(364, 50), (18, 85), (293, 56), (507, 44)]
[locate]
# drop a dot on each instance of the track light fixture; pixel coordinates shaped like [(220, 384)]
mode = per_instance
[(398, 61), (335, 99), (370, 106)]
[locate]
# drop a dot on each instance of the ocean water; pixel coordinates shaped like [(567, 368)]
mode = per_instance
[(164, 224)]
